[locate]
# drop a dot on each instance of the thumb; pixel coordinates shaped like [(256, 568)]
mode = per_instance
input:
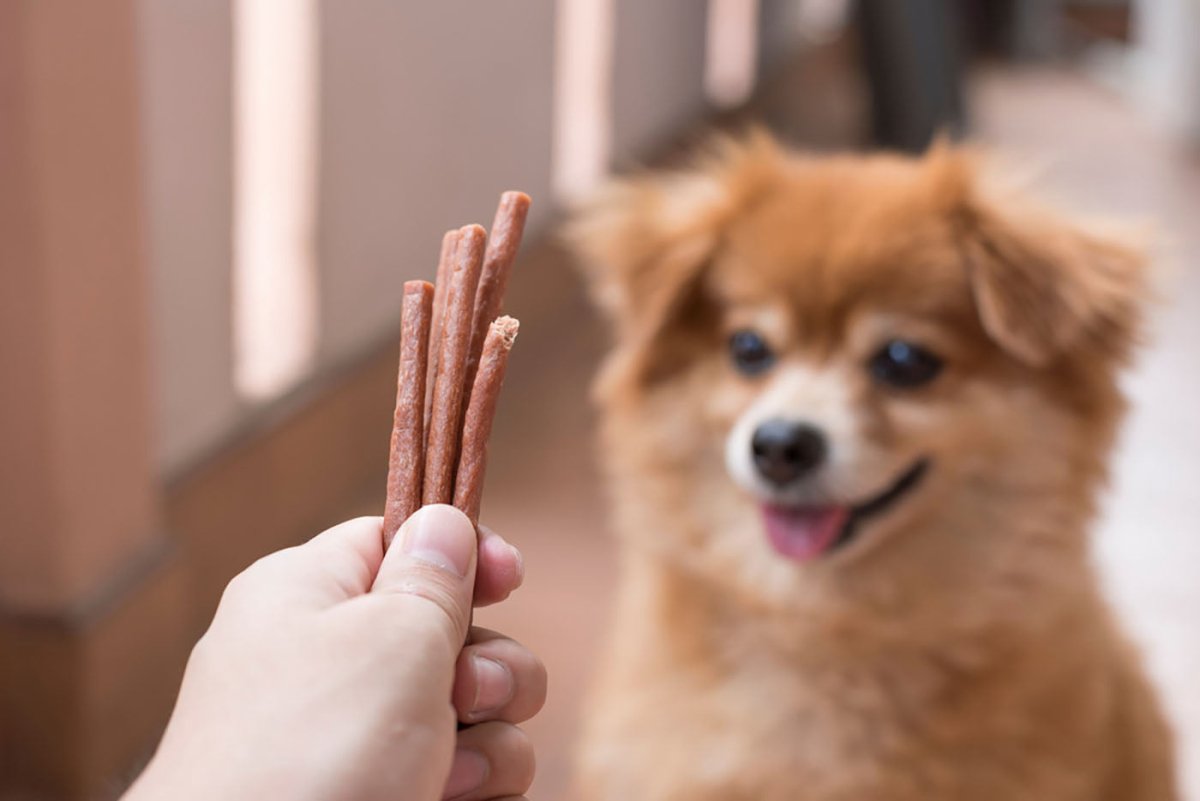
[(433, 559)]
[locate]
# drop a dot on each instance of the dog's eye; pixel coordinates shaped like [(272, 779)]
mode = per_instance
[(903, 364), (750, 352)]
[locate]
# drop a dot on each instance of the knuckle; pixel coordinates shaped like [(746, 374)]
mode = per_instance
[(520, 658), (538, 670), (510, 752), (261, 571), (529, 676), (437, 596), (440, 595)]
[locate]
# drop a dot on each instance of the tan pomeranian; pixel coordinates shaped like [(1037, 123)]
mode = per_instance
[(855, 421)]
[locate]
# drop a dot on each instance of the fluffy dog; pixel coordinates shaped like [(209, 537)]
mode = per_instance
[(855, 421)]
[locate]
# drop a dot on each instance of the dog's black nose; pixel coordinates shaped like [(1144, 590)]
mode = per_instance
[(784, 451)]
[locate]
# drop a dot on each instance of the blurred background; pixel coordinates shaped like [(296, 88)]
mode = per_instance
[(208, 208)]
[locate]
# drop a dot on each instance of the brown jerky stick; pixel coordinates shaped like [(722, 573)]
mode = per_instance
[(406, 460), (481, 410), (441, 447), (440, 288), (502, 246)]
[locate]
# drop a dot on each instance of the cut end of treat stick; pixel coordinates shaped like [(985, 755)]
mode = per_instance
[(506, 328), (508, 226), (480, 414)]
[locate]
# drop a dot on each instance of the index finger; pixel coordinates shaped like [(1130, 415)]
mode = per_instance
[(501, 568), (338, 564)]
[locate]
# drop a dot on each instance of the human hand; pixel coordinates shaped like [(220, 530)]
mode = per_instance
[(334, 671)]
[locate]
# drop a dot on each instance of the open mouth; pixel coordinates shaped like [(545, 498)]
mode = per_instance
[(806, 532)]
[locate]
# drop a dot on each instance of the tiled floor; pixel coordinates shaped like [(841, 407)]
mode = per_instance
[(1101, 158)]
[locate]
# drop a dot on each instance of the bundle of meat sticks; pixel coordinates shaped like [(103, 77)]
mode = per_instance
[(453, 352)]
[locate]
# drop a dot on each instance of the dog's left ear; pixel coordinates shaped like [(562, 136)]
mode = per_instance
[(1047, 289), (642, 242)]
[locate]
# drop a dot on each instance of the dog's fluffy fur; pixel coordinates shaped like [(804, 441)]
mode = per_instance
[(958, 647)]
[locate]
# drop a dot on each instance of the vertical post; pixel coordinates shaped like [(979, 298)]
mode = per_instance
[(275, 275), (79, 524), (911, 54), (731, 51), (77, 486), (583, 54), (1166, 33)]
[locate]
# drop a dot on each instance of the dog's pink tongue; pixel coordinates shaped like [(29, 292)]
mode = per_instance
[(804, 534)]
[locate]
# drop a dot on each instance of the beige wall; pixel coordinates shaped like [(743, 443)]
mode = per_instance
[(186, 73), (658, 73), (428, 112)]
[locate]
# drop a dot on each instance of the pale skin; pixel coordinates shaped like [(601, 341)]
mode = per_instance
[(335, 671)]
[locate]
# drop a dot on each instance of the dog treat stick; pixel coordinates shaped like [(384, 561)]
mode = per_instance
[(441, 444), (440, 288), (406, 459), (452, 362), (481, 410), (503, 242)]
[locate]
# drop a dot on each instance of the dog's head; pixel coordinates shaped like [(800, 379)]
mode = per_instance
[(861, 372)]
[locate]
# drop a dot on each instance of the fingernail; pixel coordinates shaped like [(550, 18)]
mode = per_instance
[(520, 565), (467, 773), (493, 686), (440, 535)]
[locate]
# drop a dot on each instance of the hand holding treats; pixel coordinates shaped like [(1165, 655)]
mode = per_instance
[(337, 668)]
